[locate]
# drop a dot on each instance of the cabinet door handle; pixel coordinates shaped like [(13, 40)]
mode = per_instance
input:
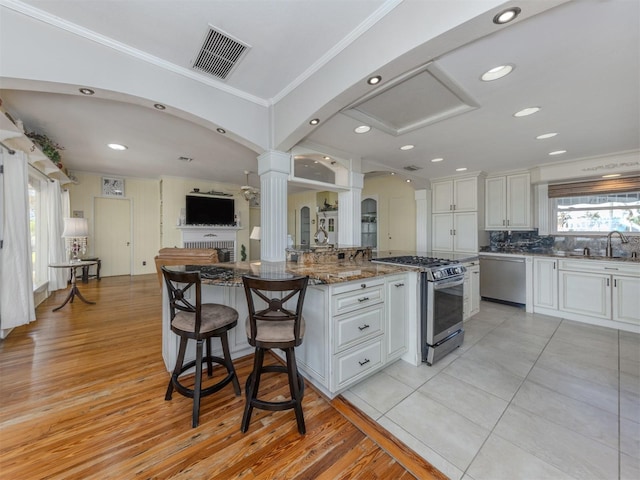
[(507, 223), (450, 207), (399, 284), (454, 231), (554, 265), (607, 282), (450, 232), (366, 360), (610, 268), (363, 299), (615, 283), (503, 222), (363, 327)]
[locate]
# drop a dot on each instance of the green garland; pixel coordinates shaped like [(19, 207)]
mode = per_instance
[(50, 148)]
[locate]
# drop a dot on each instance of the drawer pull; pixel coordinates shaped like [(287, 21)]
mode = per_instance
[(363, 327), (399, 284), (363, 285), (610, 268), (210, 235), (363, 299), (366, 360)]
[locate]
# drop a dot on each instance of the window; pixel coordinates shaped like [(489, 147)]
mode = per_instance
[(598, 213), (38, 229)]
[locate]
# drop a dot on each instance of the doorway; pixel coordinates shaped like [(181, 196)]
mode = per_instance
[(112, 235)]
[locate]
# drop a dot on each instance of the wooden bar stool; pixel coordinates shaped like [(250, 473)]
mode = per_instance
[(275, 323), (200, 322)]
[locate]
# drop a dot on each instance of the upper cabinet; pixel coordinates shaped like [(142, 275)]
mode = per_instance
[(508, 202), (459, 195)]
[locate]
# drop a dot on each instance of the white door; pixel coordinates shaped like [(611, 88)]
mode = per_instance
[(112, 235), (519, 201), (442, 231), (495, 204), (626, 299), (545, 283), (585, 293), (465, 232), (400, 238)]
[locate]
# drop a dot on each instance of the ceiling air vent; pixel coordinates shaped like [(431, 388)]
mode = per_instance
[(412, 168), (219, 54)]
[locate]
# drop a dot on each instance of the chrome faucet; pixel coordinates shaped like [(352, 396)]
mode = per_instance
[(609, 250)]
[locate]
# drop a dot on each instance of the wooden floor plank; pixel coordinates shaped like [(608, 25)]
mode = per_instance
[(82, 395)]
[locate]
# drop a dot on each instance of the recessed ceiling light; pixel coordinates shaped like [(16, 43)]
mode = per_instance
[(497, 72), (393, 173), (362, 129), (461, 169), (374, 80), (221, 130), (326, 158), (315, 121), (436, 160), (407, 147), (159, 106), (86, 91), (316, 161), (116, 146), (526, 111), (558, 152), (506, 16), (611, 175), (408, 180), (546, 135)]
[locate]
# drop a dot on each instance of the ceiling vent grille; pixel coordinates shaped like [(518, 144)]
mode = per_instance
[(412, 168), (219, 54)]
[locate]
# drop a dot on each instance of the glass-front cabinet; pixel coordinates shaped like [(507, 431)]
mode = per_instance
[(369, 212)]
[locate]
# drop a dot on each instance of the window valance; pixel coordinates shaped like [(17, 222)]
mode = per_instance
[(594, 187)]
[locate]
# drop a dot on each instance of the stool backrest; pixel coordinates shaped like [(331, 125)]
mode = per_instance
[(178, 283), (263, 306)]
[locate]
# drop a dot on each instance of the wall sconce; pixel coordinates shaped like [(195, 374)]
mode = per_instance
[(76, 231)]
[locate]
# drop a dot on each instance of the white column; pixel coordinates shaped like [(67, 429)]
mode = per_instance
[(273, 168), (423, 239), (350, 213)]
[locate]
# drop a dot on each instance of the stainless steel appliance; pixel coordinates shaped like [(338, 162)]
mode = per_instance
[(503, 278), (441, 300)]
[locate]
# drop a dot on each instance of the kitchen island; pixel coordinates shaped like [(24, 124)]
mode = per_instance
[(359, 316)]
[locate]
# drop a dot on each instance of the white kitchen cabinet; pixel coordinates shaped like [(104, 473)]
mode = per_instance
[(600, 290), (545, 283), (397, 307), (457, 232), (471, 289), (460, 195), (585, 293), (626, 299), (508, 202)]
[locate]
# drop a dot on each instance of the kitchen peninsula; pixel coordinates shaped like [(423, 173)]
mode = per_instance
[(359, 316)]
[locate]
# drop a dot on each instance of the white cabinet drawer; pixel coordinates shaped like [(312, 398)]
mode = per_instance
[(606, 266), (356, 362), (356, 299), (358, 326)]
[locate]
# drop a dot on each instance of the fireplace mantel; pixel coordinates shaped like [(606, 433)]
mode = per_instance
[(211, 236)]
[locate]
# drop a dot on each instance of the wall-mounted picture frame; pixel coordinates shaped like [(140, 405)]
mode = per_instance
[(112, 187)]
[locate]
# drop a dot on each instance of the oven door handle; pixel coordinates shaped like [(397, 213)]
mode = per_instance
[(453, 282)]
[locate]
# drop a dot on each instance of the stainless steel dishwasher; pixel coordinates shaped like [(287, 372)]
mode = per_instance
[(503, 279)]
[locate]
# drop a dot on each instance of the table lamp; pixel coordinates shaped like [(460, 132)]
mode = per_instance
[(76, 231), (255, 233)]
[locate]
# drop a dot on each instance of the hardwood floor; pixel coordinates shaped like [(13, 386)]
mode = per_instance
[(82, 397)]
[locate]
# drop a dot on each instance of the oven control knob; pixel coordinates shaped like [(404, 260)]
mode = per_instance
[(437, 274)]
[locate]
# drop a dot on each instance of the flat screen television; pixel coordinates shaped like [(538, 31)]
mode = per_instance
[(207, 210)]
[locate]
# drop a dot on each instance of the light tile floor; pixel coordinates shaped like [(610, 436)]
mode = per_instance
[(526, 397)]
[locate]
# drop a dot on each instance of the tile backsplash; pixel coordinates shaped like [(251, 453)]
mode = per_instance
[(530, 241)]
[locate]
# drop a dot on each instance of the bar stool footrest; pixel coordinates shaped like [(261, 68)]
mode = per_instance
[(188, 392)]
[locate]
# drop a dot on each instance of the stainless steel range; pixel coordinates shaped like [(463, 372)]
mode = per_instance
[(441, 302)]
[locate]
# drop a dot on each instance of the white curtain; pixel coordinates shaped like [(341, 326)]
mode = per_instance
[(16, 283), (54, 201)]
